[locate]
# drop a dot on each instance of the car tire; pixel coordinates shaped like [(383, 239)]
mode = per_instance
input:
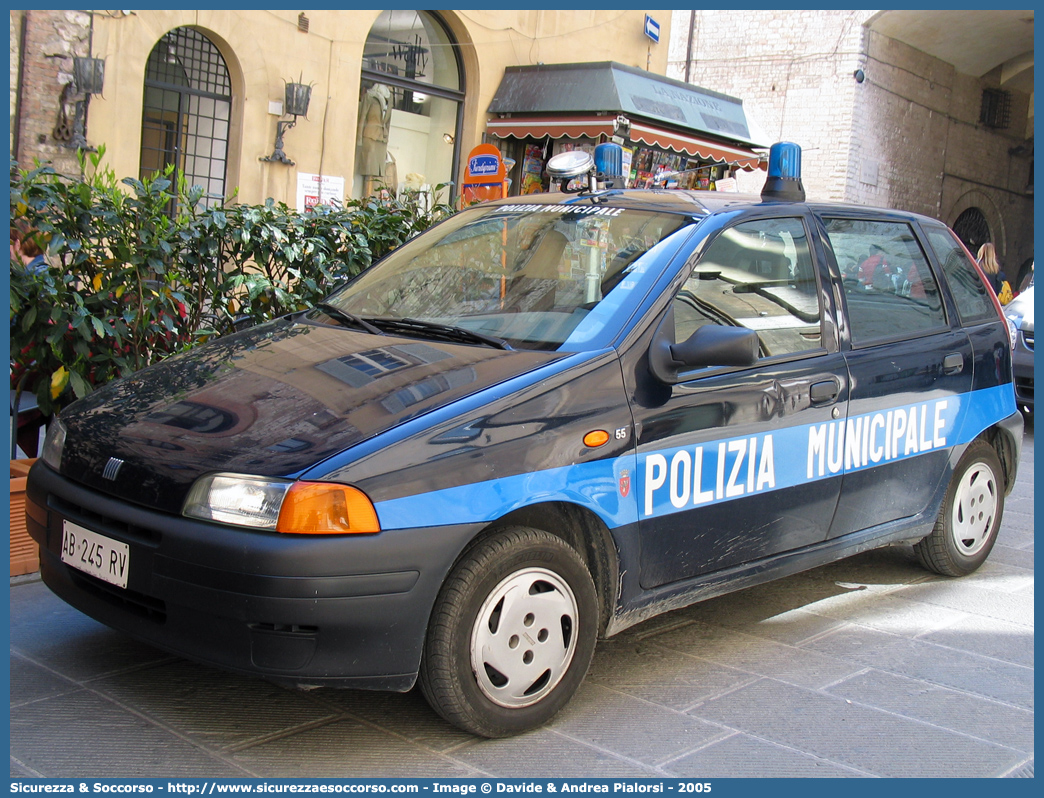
[(511, 634), (967, 526)]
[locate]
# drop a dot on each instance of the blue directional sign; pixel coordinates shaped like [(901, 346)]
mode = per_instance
[(652, 28)]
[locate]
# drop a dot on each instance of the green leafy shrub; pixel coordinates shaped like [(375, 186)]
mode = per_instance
[(106, 304), (264, 261), (140, 269)]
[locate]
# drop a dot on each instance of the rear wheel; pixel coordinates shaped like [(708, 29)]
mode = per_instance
[(512, 634), (967, 526)]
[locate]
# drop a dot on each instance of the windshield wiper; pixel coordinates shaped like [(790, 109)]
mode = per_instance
[(437, 330), (346, 318)]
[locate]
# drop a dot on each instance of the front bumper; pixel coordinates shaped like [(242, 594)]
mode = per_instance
[(342, 611)]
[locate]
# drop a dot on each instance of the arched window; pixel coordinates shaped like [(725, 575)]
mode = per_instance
[(973, 229), (187, 108), (410, 101)]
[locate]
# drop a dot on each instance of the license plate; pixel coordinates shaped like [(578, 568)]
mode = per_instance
[(94, 554)]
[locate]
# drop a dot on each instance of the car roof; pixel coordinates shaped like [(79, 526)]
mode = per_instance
[(701, 203)]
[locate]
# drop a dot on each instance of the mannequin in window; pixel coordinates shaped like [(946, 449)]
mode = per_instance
[(372, 140)]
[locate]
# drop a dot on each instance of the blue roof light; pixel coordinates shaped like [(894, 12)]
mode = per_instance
[(785, 160), (784, 173), (609, 159)]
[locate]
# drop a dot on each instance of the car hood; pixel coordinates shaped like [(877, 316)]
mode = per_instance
[(274, 401), (1022, 309)]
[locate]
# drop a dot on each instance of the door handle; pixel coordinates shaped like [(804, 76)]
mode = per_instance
[(824, 392), (953, 363)]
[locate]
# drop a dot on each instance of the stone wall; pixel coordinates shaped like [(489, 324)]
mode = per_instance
[(908, 136), (917, 121), (900, 127), (16, 39), (52, 38), (794, 73)]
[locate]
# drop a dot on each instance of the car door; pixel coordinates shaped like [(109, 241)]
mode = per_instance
[(720, 471), (907, 366)]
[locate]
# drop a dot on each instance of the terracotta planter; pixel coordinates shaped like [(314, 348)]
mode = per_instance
[(25, 558)]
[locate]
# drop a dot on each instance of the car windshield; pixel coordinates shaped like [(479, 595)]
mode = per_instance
[(523, 276)]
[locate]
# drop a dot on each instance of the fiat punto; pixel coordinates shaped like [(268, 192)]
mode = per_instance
[(542, 421)]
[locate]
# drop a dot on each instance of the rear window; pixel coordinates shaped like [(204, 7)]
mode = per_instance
[(974, 304), (889, 287)]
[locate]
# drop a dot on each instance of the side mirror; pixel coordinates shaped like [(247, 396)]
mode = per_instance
[(710, 345)]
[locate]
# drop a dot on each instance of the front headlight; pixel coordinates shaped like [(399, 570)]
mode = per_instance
[(236, 499), (54, 444), (308, 508), (1014, 322)]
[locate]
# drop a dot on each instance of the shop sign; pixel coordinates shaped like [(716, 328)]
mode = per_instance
[(485, 166), (484, 176)]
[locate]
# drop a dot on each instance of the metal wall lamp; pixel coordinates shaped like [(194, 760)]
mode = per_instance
[(88, 79), (295, 104)]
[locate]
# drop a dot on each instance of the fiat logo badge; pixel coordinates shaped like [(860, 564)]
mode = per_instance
[(112, 468)]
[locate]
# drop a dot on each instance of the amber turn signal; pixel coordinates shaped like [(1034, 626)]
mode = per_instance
[(323, 508), (596, 438)]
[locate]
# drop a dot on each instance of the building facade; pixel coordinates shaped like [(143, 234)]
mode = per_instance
[(394, 98), (928, 111)]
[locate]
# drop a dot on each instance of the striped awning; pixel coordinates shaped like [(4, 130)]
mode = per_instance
[(591, 126), (555, 127)]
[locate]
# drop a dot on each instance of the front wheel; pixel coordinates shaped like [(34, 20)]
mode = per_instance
[(967, 526), (511, 635)]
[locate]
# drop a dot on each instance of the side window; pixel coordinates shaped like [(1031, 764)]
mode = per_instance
[(889, 286), (757, 275), (973, 302)]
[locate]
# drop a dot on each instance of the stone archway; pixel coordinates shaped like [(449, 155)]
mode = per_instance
[(984, 204)]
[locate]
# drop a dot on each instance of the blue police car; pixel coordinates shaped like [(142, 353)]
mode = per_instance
[(542, 421)]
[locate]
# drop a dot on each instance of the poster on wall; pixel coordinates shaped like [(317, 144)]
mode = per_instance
[(318, 190)]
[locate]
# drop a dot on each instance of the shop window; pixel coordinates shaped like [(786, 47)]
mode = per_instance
[(186, 113), (643, 167), (410, 102), (889, 287)]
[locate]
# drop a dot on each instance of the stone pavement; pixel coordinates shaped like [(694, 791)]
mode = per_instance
[(867, 667)]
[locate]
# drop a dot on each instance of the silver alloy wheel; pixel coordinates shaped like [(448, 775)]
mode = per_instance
[(974, 509), (524, 637)]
